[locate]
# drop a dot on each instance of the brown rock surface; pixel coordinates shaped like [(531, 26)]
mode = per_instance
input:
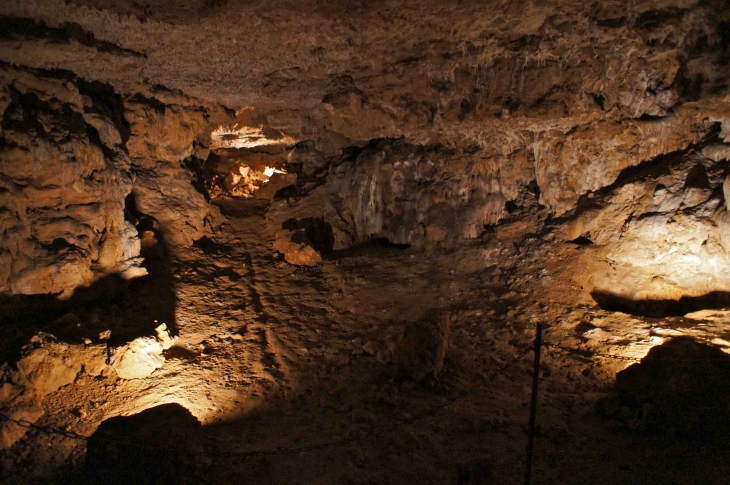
[(69, 161), (503, 162), (421, 351), (296, 248), (20, 404)]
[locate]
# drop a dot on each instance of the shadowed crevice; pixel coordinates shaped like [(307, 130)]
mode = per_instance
[(661, 308), (13, 28)]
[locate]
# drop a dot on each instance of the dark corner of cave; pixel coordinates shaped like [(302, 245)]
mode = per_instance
[(364, 242)]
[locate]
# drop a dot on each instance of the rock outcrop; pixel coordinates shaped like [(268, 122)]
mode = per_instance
[(142, 356), (63, 189), (72, 154), (677, 389), (296, 248), (45, 366), (422, 348), (661, 234)]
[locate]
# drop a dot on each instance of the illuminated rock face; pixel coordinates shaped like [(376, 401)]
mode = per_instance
[(661, 235), (63, 189), (421, 129), (72, 153), (296, 248), (45, 366)]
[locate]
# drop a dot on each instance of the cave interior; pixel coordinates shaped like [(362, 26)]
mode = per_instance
[(315, 242)]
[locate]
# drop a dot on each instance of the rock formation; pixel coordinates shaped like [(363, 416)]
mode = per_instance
[(502, 162), (75, 156)]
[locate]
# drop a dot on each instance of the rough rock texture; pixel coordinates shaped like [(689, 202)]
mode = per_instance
[(45, 366), (563, 96), (63, 189), (72, 152), (421, 351), (138, 359), (504, 160), (410, 194), (659, 236), (21, 404), (161, 138), (46, 372), (142, 356), (296, 248)]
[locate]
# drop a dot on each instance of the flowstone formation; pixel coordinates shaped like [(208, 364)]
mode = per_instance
[(327, 216)]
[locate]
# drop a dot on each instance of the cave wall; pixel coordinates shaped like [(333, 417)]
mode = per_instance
[(421, 123), (72, 153)]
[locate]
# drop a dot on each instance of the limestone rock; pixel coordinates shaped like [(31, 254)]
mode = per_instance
[(48, 369), (161, 137), (723, 230), (62, 193), (94, 360), (275, 183), (168, 195), (296, 248), (409, 194), (568, 166), (138, 359), (159, 131), (421, 351), (164, 337), (19, 403)]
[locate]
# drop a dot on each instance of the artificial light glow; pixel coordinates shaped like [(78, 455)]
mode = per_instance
[(241, 136), (663, 258), (244, 181), (269, 171)]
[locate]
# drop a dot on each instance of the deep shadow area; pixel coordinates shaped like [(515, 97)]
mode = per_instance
[(156, 446), (208, 246), (25, 28), (679, 389), (318, 232), (661, 308), (129, 309), (380, 247), (241, 208)]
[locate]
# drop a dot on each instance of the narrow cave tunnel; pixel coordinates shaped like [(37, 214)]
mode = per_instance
[(318, 246)]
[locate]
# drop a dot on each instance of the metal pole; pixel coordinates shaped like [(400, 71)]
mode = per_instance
[(533, 402)]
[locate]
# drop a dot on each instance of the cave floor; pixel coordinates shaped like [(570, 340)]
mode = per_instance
[(270, 356)]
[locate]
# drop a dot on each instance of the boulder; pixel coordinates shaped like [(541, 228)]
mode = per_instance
[(21, 404), (296, 248), (679, 388), (47, 370), (137, 359), (422, 348)]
